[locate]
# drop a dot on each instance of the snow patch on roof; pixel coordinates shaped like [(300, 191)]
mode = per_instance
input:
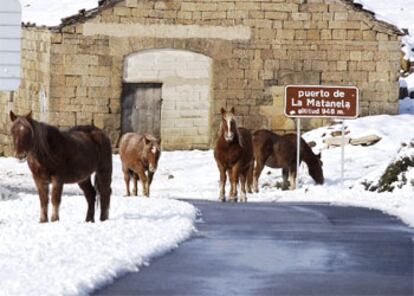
[(50, 13)]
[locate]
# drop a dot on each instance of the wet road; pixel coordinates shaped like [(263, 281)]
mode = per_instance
[(282, 249)]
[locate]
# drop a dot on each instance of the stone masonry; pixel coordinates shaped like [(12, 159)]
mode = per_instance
[(249, 50)]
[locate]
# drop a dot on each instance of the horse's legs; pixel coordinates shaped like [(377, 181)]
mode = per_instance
[(144, 180), (43, 190), (234, 181), (149, 181), (135, 184), (243, 183), (292, 179), (57, 188), (90, 194), (257, 170), (127, 178), (249, 181), (285, 174), (103, 183), (223, 179)]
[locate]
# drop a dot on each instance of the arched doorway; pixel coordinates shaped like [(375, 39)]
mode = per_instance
[(168, 90)]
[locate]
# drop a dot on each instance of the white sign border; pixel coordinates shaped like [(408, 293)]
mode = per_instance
[(322, 116)]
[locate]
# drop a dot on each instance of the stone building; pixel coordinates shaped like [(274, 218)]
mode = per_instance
[(169, 65)]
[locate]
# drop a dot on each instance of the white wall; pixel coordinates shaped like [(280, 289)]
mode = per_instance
[(10, 34)]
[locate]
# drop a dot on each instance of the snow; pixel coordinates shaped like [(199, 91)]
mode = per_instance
[(72, 257), (50, 13), (397, 12)]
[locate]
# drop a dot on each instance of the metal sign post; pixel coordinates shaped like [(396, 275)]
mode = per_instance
[(342, 152), (310, 101), (297, 151)]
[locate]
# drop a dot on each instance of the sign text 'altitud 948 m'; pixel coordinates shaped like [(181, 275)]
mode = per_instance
[(321, 101)]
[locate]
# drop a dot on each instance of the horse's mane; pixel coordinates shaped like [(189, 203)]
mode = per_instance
[(308, 156), (41, 133)]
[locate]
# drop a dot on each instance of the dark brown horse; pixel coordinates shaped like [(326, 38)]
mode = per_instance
[(234, 155), (139, 155), (278, 151), (57, 158)]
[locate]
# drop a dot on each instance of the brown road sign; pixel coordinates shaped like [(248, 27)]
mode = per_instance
[(321, 101)]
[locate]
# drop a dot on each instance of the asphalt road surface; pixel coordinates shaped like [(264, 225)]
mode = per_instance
[(282, 249)]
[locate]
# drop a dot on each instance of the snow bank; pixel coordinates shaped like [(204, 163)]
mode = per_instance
[(74, 258)]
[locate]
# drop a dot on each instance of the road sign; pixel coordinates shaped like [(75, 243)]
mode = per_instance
[(10, 35), (321, 101), (308, 101)]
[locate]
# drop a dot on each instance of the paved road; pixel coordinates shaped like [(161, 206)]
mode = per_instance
[(282, 249)]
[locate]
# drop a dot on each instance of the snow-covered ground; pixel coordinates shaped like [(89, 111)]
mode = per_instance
[(72, 257)]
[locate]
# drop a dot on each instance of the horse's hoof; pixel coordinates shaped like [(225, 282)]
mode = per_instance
[(222, 200), (104, 215), (233, 200), (44, 220), (54, 219), (90, 219)]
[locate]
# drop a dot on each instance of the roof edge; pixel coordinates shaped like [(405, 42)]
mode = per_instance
[(85, 15), (81, 16), (393, 28)]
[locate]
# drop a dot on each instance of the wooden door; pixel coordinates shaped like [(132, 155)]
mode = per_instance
[(141, 108)]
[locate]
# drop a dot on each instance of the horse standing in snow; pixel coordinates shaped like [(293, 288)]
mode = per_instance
[(234, 155), (57, 158), (139, 155), (277, 151)]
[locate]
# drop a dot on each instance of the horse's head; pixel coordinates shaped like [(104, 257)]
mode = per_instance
[(315, 169), (152, 150), (22, 133), (228, 128)]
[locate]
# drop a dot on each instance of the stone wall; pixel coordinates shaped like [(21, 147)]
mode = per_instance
[(35, 84), (256, 48)]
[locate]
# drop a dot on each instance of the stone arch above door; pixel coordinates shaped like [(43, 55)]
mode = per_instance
[(186, 93)]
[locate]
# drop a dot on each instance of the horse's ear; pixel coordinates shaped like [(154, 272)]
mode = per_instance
[(13, 116), (232, 111), (147, 140), (29, 115), (223, 111)]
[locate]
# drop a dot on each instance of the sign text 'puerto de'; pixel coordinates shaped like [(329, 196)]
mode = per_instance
[(321, 101)]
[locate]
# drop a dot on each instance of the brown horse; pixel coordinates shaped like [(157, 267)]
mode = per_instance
[(139, 155), (278, 151), (234, 155), (57, 158)]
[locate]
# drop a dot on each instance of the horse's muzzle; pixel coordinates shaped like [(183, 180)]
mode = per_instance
[(229, 137), (21, 156)]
